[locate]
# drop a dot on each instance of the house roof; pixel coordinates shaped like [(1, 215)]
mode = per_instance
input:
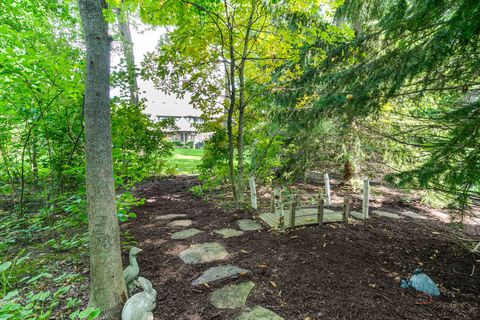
[(182, 126)]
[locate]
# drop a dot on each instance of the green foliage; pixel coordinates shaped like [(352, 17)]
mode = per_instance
[(407, 82), (41, 305), (124, 203), (213, 168)]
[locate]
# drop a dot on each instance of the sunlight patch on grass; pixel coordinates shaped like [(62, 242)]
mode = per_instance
[(186, 160)]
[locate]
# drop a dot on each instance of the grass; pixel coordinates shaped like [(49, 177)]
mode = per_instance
[(186, 160)]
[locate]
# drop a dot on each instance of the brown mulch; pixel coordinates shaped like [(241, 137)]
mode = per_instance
[(335, 272)]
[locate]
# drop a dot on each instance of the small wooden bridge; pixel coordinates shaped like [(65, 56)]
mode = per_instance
[(291, 212)]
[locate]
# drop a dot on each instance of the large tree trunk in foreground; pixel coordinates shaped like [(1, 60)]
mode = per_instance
[(107, 286)]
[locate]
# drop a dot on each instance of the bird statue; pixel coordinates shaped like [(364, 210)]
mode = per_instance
[(140, 305), (422, 283), (130, 273)]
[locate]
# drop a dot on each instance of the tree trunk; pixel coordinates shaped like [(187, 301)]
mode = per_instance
[(127, 46), (240, 158), (231, 108), (241, 108), (107, 286)]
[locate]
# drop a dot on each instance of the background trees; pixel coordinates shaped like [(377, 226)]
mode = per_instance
[(413, 63), (224, 53)]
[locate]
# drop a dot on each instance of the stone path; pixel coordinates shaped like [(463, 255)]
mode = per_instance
[(249, 225), (235, 296), (171, 216), (180, 223), (258, 313), (203, 252), (219, 273), (413, 215), (387, 214), (228, 233), (185, 234), (230, 296)]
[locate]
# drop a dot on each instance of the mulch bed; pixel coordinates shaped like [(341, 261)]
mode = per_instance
[(335, 272)]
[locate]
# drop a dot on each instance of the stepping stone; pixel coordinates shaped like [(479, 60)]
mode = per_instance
[(413, 215), (203, 252), (232, 296), (171, 216), (331, 217), (356, 215), (248, 225), (184, 234), (387, 214), (180, 223), (228, 233), (257, 313), (219, 273)]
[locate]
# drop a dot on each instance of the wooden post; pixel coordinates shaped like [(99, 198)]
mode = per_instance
[(278, 207), (253, 192), (298, 198), (293, 208), (320, 209), (346, 209), (366, 198), (327, 189), (272, 202)]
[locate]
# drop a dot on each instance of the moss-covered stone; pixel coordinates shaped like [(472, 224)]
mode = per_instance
[(228, 233), (248, 225), (257, 313), (203, 252), (232, 296), (184, 234), (219, 273)]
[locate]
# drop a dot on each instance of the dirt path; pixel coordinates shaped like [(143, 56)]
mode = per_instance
[(335, 272)]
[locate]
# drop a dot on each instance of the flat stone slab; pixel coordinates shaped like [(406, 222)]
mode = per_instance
[(184, 234), (219, 273), (413, 215), (356, 215), (180, 223), (171, 216), (232, 296), (203, 252), (257, 313), (387, 214), (228, 233), (248, 225)]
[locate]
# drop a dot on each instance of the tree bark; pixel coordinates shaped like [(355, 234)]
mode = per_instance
[(127, 46), (107, 286), (231, 109)]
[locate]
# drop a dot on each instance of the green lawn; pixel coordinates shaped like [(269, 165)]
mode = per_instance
[(186, 160)]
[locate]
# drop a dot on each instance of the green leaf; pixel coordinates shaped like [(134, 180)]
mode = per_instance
[(4, 266)]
